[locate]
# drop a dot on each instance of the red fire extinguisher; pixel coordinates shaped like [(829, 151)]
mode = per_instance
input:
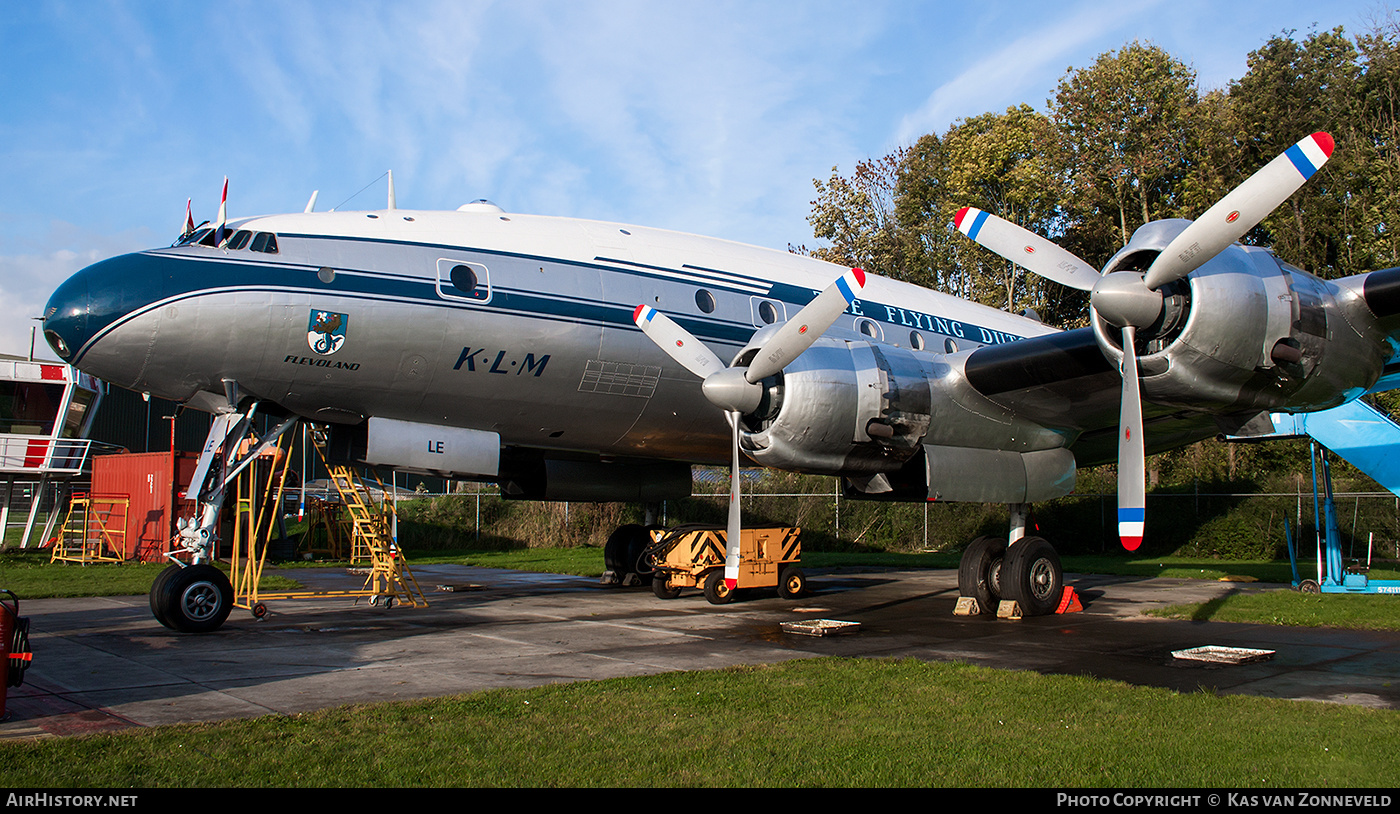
[(14, 645)]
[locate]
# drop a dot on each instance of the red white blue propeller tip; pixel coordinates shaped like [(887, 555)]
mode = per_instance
[(1310, 153), (1130, 524)]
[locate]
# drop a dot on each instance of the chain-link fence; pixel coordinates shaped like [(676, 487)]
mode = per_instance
[(1195, 522)]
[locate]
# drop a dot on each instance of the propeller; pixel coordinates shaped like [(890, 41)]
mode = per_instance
[(1129, 301), (738, 390)]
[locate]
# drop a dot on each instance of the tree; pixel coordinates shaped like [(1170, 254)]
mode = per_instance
[(1375, 242), (1126, 125), (1290, 90), (1007, 164), (856, 215)]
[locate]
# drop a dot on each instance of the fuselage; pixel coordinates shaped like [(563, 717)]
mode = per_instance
[(513, 324)]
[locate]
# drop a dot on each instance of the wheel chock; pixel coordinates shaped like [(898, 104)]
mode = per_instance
[(1069, 602), (1009, 609), (967, 606)]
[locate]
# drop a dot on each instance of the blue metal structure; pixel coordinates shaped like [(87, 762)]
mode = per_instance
[(1370, 441)]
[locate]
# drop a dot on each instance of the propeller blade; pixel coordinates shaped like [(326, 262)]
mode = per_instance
[(798, 333), (1240, 210), (731, 552), (1025, 248), (689, 352), (1132, 470)]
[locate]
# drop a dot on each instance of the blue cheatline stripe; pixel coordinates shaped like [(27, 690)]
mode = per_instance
[(1300, 161), (151, 278), (1132, 515), (977, 224)]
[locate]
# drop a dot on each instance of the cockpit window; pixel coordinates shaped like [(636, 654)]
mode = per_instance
[(192, 236), (264, 242), (239, 239)]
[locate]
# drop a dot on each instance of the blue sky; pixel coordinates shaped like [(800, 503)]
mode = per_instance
[(708, 117)]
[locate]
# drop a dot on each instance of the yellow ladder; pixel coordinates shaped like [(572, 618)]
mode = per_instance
[(94, 530), (390, 580)]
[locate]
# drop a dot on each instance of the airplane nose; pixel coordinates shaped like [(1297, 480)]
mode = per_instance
[(83, 307), (66, 315)]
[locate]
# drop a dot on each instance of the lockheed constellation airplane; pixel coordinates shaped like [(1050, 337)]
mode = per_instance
[(577, 360)]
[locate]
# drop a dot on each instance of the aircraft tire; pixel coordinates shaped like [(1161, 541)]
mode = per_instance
[(716, 593), (980, 572), (1032, 575), (624, 548), (792, 583), (195, 600), (157, 590), (661, 586), (1309, 586)]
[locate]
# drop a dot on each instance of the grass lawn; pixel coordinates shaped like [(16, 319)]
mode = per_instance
[(31, 576), (1286, 607), (822, 722)]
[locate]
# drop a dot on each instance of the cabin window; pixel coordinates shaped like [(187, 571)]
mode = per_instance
[(705, 301), (916, 340), (325, 274), (457, 280), (766, 312), (869, 328), (239, 239), (464, 280), (950, 345), (264, 242)]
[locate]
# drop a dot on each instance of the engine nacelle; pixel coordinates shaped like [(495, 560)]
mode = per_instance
[(1246, 333), (893, 422), (843, 407)]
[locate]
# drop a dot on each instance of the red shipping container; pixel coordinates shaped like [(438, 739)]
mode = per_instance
[(155, 484)]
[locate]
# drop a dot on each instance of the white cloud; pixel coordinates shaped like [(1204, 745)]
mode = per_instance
[(29, 275), (1005, 77)]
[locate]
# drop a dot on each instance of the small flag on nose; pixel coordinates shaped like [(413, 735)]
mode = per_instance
[(221, 231)]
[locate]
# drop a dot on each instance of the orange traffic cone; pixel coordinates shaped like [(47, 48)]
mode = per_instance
[(1069, 602)]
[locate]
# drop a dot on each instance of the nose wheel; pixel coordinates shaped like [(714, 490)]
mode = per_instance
[(191, 599)]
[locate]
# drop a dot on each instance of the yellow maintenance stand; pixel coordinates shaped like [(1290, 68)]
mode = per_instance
[(94, 530), (693, 557), (261, 487)]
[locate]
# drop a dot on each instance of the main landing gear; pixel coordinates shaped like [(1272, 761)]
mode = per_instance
[(1027, 571)]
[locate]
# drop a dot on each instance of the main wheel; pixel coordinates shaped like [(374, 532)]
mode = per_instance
[(1309, 586), (197, 599), (792, 583), (624, 548), (980, 571), (716, 592), (661, 586), (1031, 575)]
